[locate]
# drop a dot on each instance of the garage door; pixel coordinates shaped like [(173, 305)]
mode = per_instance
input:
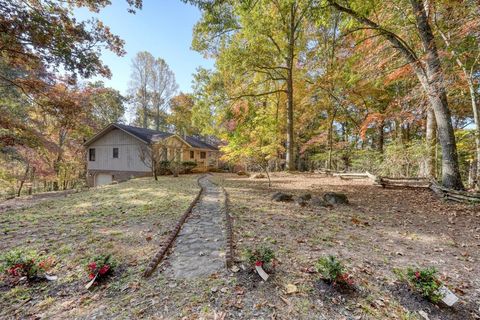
[(102, 179)]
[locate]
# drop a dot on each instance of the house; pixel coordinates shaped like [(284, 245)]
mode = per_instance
[(120, 152)]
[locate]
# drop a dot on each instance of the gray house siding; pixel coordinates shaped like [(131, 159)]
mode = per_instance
[(129, 151)]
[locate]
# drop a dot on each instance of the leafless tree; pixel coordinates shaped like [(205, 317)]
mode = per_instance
[(163, 86), (140, 80)]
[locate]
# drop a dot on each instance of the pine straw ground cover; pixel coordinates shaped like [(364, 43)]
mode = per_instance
[(127, 220), (381, 229)]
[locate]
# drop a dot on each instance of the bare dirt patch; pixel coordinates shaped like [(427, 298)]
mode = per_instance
[(379, 230)]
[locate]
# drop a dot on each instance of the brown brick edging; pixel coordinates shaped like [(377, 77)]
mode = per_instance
[(229, 256), (173, 235)]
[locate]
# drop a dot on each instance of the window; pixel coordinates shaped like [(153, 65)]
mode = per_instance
[(192, 154), (91, 154), (203, 154), (115, 152)]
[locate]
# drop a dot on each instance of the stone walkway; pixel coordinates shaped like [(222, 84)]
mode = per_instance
[(199, 249)]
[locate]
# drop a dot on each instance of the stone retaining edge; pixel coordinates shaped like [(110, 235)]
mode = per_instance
[(229, 256), (166, 244)]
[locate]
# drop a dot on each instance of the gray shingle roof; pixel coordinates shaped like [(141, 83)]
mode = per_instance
[(146, 135), (149, 135)]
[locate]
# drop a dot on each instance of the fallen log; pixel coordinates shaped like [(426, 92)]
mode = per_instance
[(412, 182), (351, 175), (454, 195)]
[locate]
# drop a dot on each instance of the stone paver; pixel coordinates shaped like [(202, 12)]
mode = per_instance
[(199, 249)]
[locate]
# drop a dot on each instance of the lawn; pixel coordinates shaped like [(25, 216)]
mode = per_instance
[(127, 220), (380, 230)]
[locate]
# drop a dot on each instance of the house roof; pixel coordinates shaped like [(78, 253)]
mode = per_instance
[(148, 136)]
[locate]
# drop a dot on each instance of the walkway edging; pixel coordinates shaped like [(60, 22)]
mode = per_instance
[(173, 235), (229, 256)]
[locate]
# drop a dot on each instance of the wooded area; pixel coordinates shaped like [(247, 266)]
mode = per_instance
[(385, 86), (326, 167), (389, 87)]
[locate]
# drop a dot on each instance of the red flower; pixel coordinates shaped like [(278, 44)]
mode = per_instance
[(92, 266), (417, 274), (258, 263), (345, 277), (103, 270), (13, 271), (91, 276)]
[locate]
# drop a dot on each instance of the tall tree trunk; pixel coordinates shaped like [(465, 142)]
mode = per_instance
[(25, 176), (432, 80), (473, 98), (145, 115), (157, 119), (435, 88), (32, 179), (290, 157), (381, 136), (476, 119), (431, 143), (330, 138), (62, 136)]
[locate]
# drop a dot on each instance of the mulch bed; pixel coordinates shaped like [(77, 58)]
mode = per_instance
[(413, 301)]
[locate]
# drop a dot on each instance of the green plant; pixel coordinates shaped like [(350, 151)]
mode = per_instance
[(163, 167), (100, 267), (188, 166), (426, 282), (24, 263), (259, 256), (175, 167), (332, 270)]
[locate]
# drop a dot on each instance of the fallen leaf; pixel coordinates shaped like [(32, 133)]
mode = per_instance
[(291, 288)]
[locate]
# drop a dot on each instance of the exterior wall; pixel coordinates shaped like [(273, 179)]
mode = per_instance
[(118, 176), (211, 159), (129, 153), (174, 144)]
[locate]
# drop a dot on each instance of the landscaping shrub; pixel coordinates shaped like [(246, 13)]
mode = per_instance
[(163, 167), (260, 256), (424, 281), (100, 267), (333, 271), (24, 263), (188, 166)]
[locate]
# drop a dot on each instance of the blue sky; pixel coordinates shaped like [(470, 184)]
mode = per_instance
[(162, 27)]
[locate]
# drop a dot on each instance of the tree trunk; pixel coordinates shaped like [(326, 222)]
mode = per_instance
[(435, 88), (431, 78), (381, 136), (476, 120), (268, 176), (472, 174), (154, 169), (157, 119), (25, 176), (473, 98), (290, 157), (330, 139), (431, 143)]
